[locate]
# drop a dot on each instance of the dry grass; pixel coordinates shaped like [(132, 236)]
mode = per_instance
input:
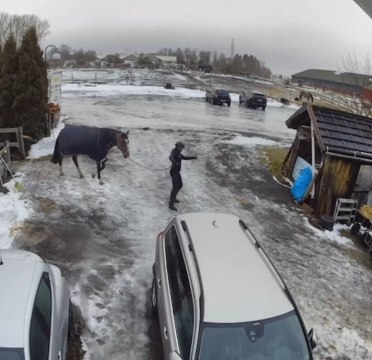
[(273, 157), (278, 92)]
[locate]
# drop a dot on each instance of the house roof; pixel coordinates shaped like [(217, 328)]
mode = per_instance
[(131, 57), (337, 132), (344, 78), (172, 59)]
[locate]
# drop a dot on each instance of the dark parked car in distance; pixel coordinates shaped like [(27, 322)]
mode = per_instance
[(218, 97), (253, 100)]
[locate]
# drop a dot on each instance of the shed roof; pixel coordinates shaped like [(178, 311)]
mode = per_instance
[(337, 131)]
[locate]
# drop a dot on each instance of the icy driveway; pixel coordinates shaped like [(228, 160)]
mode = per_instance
[(103, 236)]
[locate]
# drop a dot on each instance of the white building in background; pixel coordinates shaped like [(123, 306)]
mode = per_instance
[(54, 97), (167, 60), (54, 87)]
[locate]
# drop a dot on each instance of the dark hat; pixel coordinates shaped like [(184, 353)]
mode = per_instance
[(180, 144)]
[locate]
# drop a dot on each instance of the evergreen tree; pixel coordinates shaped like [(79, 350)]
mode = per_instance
[(31, 87), (237, 64), (180, 56), (8, 76)]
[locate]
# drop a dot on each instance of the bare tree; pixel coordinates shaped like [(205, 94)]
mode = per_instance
[(204, 57), (17, 26), (357, 91)]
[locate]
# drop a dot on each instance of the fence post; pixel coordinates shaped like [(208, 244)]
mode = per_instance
[(7, 152), (20, 141), (5, 157)]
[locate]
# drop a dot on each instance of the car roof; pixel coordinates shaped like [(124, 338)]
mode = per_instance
[(238, 282), (18, 287)]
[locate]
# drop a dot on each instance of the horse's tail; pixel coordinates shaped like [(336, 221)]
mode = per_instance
[(56, 154)]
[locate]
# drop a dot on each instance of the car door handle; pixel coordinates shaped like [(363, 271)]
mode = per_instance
[(159, 283), (59, 355), (165, 333)]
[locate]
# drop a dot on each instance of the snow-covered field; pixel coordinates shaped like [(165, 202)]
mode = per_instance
[(103, 237)]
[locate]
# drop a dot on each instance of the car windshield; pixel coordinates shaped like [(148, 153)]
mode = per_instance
[(12, 354), (258, 95), (222, 92), (276, 338)]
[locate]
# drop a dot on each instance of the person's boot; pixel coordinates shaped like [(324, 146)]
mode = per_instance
[(176, 201), (172, 207)]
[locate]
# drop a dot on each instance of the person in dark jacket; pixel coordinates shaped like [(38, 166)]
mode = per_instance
[(176, 158)]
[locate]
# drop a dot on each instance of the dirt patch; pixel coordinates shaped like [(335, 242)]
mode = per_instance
[(47, 205)]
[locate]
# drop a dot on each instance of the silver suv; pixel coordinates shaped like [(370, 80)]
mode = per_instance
[(218, 296), (35, 308)]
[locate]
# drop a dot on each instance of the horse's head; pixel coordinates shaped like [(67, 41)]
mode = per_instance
[(122, 143)]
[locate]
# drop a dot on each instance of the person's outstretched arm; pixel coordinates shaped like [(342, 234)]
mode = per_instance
[(189, 157)]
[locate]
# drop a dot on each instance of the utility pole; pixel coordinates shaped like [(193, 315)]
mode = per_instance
[(232, 48)]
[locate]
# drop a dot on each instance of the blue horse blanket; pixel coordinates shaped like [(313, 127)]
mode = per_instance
[(83, 140), (301, 186)]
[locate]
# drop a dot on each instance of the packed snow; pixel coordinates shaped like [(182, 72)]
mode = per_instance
[(132, 204)]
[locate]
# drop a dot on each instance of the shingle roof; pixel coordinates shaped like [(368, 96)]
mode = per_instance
[(337, 131)]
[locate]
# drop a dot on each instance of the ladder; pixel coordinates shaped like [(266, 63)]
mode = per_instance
[(345, 210)]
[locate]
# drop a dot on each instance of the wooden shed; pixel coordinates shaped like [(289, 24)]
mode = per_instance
[(335, 144)]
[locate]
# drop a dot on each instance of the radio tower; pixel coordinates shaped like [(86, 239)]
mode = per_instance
[(232, 48)]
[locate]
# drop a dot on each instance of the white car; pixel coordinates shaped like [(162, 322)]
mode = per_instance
[(219, 297), (34, 308)]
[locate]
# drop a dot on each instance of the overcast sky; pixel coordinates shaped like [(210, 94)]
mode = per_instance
[(288, 35)]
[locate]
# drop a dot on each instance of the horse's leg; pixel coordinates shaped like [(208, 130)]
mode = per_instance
[(74, 158), (60, 166), (100, 167)]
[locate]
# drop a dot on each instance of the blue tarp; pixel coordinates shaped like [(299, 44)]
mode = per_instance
[(302, 184)]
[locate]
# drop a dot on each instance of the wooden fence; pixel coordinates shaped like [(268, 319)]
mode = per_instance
[(19, 143), (5, 161), (5, 149)]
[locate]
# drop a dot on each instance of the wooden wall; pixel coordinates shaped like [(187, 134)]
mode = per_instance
[(338, 180)]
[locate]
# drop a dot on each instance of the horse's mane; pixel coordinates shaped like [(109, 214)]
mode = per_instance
[(107, 137)]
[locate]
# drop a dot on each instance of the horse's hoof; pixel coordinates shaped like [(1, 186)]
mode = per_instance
[(93, 176), (81, 176), (61, 174), (101, 182)]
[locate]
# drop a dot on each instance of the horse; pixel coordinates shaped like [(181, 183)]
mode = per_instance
[(93, 142), (307, 94), (284, 101)]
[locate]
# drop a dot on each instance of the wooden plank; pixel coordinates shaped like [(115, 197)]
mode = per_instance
[(347, 201), (5, 156), (8, 130), (4, 149), (19, 144), (293, 156), (346, 217)]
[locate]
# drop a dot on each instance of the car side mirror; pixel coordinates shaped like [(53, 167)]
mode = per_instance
[(312, 338), (174, 356)]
